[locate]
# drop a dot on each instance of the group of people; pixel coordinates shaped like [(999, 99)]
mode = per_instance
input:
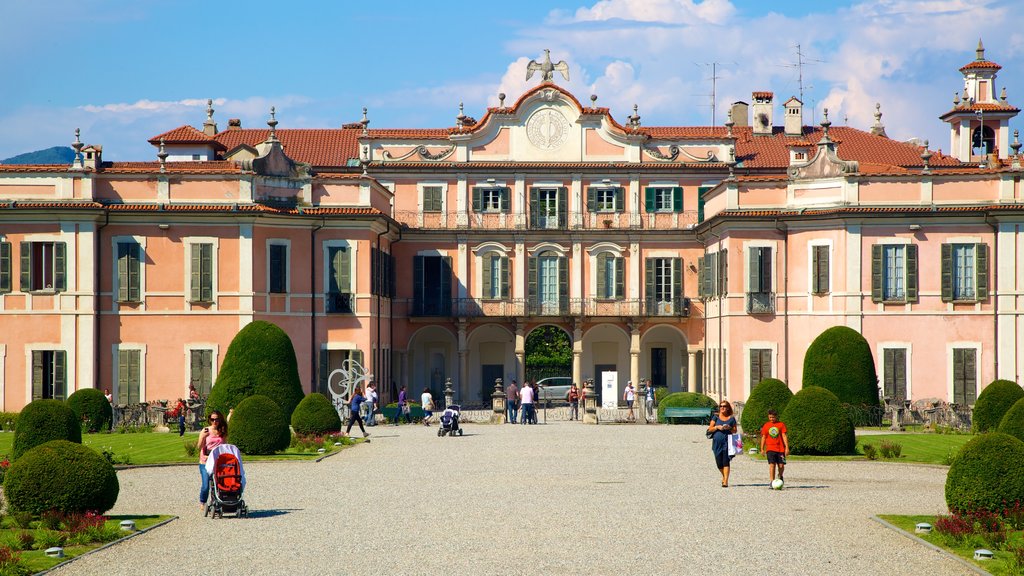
[(405, 409), (629, 397), (774, 442), (520, 403)]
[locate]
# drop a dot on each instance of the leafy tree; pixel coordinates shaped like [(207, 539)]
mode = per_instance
[(548, 352)]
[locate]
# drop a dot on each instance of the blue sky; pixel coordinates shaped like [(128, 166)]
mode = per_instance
[(126, 70)]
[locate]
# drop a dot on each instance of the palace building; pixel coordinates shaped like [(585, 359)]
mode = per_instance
[(704, 257)]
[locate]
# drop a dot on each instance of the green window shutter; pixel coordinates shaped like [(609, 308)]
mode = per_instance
[(134, 375), (620, 284), (981, 269), (325, 371), (478, 200), (888, 372), (970, 376), (487, 267), (419, 290), (504, 276), (649, 199), (723, 272), (195, 375), (911, 260), (677, 199), (755, 368), (122, 272), (532, 278), (504, 200), (563, 283), (278, 268), (602, 269), (947, 272), (26, 266), (700, 202), (766, 363), (649, 281), (342, 263), (677, 278), (754, 270), (534, 207), (876, 273), (122, 377), (620, 199), (5, 267), (591, 200), (958, 376), (563, 206), (196, 272), (206, 279), (60, 375), (134, 272), (60, 266), (207, 379), (711, 276), (37, 373), (900, 372), (446, 285), (700, 277), (820, 270), (766, 269)]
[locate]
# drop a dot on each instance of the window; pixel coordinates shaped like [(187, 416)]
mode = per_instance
[(713, 274), (490, 199), (201, 371), (5, 267), (331, 360), (197, 157), (202, 272), (548, 207), (663, 285), (548, 283), (339, 291), (494, 276), (605, 199), (894, 378), (382, 274), (965, 377), (278, 269), (129, 255), (43, 266), (760, 298), (610, 271), (663, 199), (129, 375), (819, 270), (760, 365), (49, 374), (432, 198), (964, 272), (894, 273), (432, 286)]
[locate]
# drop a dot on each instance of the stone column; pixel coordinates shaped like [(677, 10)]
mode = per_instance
[(498, 402), (520, 352), (449, 394), (464, 379), (691, 372), (590, 404), (577, 352), (634, 355)]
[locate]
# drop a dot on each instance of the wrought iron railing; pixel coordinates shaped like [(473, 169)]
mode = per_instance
[(563, 306), (340, 303), (554, 221), (760, 302)]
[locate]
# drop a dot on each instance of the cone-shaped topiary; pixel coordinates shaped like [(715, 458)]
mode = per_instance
[(92, 408), (987, 474), (769, 393), (63, 476), (684, 400), (818, 424), (42, 421), (315, 415), (840, 360), (260, 360), (1013, 421), (259, 427), (992, 404)]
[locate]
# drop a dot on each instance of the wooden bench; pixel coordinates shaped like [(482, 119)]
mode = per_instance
[(703, 415)]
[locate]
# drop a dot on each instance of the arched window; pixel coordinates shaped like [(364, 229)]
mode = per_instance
[(983, 140)]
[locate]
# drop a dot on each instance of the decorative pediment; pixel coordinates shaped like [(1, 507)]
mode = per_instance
[(825, 164)]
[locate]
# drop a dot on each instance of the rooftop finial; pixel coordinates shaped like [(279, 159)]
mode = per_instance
[(634, 119), (1002, 95), (1016, 142), (547, 69), (980, 51), (956, 98), (273, 122), (209, 126), (77, 145), (461, 118), (729, 124), (501, 99), (824, 126), (209, 109), (878, 129), (593, 100), (162, 155), (926, 155), (365, 122)]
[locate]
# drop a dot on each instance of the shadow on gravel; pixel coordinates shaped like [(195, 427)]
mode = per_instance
[(788, 486), (272, 512)]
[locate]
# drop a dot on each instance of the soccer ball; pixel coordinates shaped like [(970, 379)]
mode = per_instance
[(777, 484)]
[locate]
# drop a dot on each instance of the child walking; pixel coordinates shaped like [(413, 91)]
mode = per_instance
[(775, 444)]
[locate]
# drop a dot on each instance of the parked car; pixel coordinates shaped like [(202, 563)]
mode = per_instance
[(555, 389)]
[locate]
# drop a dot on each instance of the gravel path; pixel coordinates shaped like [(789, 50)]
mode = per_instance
[(577, 499)]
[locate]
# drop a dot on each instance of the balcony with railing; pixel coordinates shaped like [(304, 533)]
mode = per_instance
[(340, 303), (547, 221), (536, 307), (760, 302)]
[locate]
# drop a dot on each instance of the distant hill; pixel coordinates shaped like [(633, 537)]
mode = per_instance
[(55, 155)]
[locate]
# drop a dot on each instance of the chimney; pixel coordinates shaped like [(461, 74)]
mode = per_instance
[(740, 114), (762, 120), (92, 157), (794, 121), (234, 124)]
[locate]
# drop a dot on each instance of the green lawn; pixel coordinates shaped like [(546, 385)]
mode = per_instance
[(37, 561), (155, 448), (1001, 564), (920, 448)]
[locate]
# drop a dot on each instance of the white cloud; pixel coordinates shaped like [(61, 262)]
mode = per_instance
[(654, 11)]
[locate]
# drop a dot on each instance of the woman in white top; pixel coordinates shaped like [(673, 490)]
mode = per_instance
[(427, 402), (629, 396)]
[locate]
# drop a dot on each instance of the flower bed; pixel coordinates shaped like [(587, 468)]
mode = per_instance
[(962, 534)]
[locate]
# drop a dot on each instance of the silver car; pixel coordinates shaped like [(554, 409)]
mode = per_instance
[(555, 389)]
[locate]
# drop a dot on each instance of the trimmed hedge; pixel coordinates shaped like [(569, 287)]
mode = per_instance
[(987, 474), (91, 405), (315, 415), (769, 393), (684, 400), (817, 423), (840, 361), (1013, 421), (63, 476), (993, 403), (259, 426), (260, 360), (42, 421)]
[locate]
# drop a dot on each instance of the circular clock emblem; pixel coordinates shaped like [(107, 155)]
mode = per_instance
[(547, 129)]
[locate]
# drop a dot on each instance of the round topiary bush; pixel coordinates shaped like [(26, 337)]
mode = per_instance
[(259, 426), (42, 421), (61, 475), (260, 360), (92, 409), (1013, 421), (684, 400), (769, 393), (987, 474), (840, 360), (315, 415), (992, 404), (818, 424)]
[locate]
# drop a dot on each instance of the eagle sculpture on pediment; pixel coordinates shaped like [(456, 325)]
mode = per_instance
[(546, 68)]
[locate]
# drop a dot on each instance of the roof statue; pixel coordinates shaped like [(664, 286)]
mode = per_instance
[(547, 68)]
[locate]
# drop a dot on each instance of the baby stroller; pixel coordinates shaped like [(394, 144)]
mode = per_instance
[(227, 479), (450, 421)]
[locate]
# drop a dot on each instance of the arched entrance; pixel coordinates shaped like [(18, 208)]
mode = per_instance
[(492, 354), (432, 357), (605, 349), (548, 352), (663, 357)]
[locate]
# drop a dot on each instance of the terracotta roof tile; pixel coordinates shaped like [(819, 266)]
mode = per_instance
[(983, 106), (190, 167), (34, 204), (185, 135), (34, 167), (314, 146), (413, 133), (978, 64), (762, 94)]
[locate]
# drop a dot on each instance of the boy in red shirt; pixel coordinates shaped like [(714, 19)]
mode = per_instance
[(775, 441)]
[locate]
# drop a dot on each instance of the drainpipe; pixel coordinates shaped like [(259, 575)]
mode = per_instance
[(703, 245), (391, 309), (782, 227), (96, 305), (993, 291), (312, 301)]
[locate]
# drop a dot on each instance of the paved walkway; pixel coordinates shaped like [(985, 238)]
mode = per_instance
[(560, 498)]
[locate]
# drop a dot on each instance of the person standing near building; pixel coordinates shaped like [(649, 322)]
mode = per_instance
[(574, 402), (722, 425), (427, 403), (355, 407), (775, 445), (371, 403), (526, 401), (629, 395), (649, 401), (403, 407), (511, 402)]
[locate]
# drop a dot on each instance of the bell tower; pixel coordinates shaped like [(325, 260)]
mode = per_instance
[(979, 123)]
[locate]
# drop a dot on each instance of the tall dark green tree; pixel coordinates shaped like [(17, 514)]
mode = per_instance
[(548, 353), (840, 361)]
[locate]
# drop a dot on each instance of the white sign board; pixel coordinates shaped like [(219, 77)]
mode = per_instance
[(609, 390)]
